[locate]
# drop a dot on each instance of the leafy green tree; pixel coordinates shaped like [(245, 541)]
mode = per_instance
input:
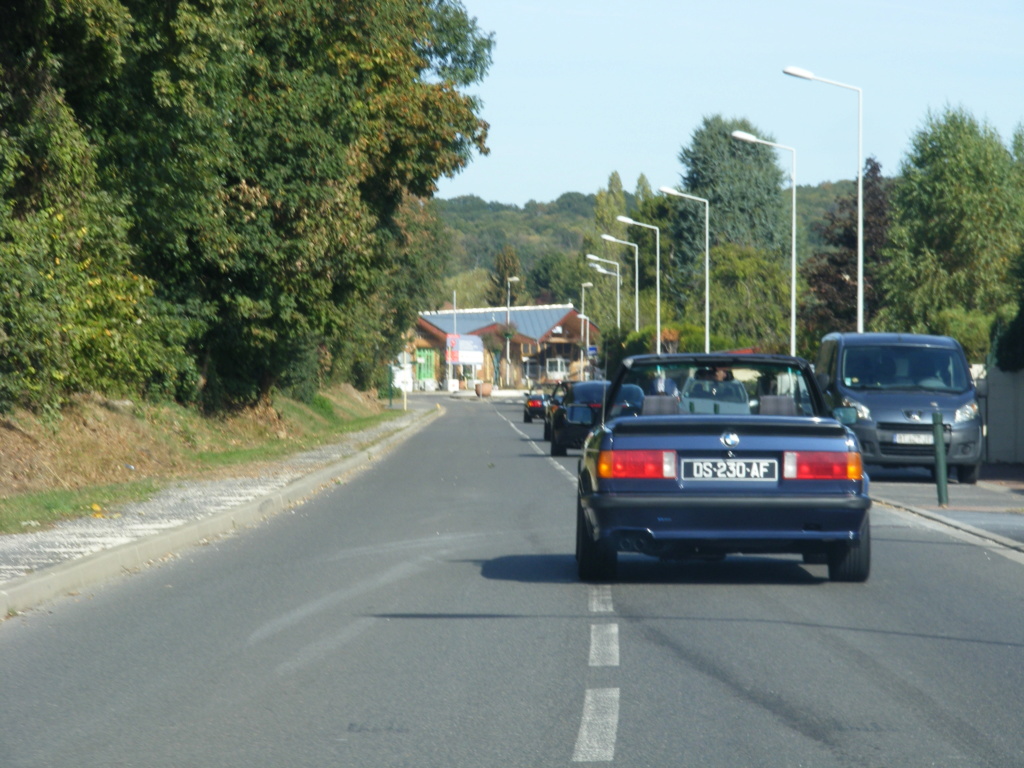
[(499, 289), (556, 277), (74, 316), (749, 299), (1009, 338), (742, 183), (956, 232), (830, 302)]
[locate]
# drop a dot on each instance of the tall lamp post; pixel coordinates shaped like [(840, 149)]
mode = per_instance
[(636, 277), (657, 276), (805, 75), (749, 137), (584, 319), (707, 260), (508, 320), (618, 282)]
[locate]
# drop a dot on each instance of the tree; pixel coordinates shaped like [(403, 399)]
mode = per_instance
[(955, 234), (74, 315), (1009, 338), (830, 303), (741, 181), (499, 289), (749, 299)]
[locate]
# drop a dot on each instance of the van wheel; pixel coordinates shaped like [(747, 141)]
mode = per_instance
[(967, 474)]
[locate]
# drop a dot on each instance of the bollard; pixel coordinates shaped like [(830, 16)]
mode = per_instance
[(941, 473)]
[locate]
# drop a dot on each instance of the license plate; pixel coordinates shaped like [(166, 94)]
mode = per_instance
[(914, 438), (731, 469)]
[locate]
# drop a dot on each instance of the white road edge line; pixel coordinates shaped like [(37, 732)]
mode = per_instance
[(596, 740), (536, 448), (604, 645)]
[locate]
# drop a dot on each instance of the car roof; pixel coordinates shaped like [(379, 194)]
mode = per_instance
[(713, 358), (581, 387), (883, 339)]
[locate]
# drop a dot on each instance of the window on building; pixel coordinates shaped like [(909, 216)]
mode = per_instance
[(557, 367), (425, 364)]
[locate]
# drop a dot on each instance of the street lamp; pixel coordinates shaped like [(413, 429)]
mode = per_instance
[(749, 137), (618, 283), (707, 261), (636, 277), (805, 75), (508, 321), (584, 319), (657, 276)]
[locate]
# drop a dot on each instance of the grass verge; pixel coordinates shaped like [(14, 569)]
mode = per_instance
[(96, 459)]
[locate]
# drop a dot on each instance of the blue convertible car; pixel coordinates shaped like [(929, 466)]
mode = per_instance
[(726, 453)]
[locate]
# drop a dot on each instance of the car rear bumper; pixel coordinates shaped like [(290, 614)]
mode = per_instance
[(782, 523)]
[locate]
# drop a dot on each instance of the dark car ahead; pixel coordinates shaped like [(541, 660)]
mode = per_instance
[(535, 403), (573, 416), (558, 395), (703, 471)]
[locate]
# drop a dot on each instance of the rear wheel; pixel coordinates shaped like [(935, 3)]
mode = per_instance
[(595, 560), (547, 430), (967, 474), (852, 562), (557, 449), (527, 418)]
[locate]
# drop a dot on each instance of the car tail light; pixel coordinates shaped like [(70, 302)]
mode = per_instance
[(822, 465), (534, 403), (636, 465)]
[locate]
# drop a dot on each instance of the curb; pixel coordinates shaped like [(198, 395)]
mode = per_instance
[(33, 589), (950, 522)]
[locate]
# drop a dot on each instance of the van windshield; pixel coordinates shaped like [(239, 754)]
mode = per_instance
[(904, 367)]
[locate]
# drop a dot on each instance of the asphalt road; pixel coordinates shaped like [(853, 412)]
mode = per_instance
[(426, 613)]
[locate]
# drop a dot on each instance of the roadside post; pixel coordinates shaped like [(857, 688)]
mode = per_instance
[(941, 474)]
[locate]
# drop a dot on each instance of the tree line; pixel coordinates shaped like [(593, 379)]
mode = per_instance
[(209, 200), (943, 248)]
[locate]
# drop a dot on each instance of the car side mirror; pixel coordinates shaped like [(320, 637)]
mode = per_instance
[(845, 414), (582, 415)]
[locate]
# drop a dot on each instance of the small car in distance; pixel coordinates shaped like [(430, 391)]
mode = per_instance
[(780, 473), (536, 402)]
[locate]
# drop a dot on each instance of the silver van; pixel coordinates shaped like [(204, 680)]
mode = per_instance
[(896, 381)]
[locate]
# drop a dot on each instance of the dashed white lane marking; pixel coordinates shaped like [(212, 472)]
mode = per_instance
[(604, 645), (537, 449), (596, 740), (601, 598)]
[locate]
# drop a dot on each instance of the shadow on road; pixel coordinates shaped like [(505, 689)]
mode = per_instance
[(633, 569)]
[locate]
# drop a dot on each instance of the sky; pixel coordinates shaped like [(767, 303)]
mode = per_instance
[(579, 89)]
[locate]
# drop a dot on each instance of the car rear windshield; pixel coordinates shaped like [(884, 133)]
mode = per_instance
[(726, 388), (904, 367)]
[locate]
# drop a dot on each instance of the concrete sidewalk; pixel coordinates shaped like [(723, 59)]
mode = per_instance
[(992, 509), (36, 567)]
